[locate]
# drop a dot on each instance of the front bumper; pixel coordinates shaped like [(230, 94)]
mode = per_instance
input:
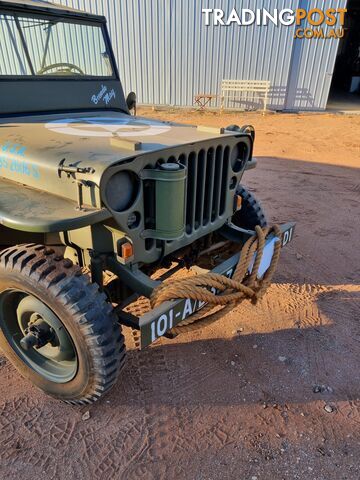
[(157, 322)]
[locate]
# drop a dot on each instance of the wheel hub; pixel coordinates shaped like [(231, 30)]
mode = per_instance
[(38, 334)]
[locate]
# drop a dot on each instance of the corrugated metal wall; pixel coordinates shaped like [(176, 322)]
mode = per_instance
[(167, 54), (204, 55), (312, 65)]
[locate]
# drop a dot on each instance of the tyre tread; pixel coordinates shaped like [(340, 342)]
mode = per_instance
[(90, 309), (251, 213)]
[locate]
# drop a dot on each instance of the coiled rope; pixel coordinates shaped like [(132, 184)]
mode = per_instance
[(232, 291)]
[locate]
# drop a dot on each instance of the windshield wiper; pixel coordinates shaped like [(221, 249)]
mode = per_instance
[(45, 24)]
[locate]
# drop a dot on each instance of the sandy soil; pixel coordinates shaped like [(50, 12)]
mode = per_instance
[(236, 400)]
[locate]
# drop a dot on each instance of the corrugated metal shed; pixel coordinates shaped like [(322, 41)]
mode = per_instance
[(312, 65), (167, 54), (204, 55)]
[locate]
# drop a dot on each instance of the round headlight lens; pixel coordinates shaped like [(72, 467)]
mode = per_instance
[(121, 190)]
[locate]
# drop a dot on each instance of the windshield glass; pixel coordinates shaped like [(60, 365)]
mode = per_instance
[(46, 46)]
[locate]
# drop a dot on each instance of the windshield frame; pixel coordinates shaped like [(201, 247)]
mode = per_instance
[(65, 18)]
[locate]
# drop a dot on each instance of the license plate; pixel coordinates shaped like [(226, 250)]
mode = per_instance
[(157, 322)]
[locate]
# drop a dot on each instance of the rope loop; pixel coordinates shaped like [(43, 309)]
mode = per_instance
[(232, 291)]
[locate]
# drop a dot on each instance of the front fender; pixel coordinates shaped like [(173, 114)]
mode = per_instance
[(31, 210)]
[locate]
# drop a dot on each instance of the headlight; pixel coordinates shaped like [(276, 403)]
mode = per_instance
[(121, 190)]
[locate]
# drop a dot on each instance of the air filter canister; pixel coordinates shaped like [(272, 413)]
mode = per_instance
[(168, 187)]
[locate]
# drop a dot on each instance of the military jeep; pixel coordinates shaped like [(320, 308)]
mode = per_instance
[(98, 206)]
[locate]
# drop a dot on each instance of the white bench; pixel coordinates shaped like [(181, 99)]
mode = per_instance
[(234, 89)]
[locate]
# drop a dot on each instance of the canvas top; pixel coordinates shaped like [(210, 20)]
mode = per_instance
[(44, 6)]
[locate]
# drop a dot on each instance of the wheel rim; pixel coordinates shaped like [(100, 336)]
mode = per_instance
[(56, 360)]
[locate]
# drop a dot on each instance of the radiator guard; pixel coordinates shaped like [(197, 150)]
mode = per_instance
[(212, 175)]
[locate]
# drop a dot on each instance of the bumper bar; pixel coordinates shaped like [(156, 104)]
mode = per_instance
[(157, 322)]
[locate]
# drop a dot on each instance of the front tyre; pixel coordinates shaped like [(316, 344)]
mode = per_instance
[(56, 327), (251, 213)]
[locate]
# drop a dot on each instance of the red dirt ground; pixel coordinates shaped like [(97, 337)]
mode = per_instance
[(234, 401)]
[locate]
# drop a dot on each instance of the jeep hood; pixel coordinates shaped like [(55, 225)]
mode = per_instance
[(33, 147)]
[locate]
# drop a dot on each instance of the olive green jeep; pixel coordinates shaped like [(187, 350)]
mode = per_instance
[(98, 206)]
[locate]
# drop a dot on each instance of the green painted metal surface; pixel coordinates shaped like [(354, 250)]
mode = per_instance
[(71, 156)]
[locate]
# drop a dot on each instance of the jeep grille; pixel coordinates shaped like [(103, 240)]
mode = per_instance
[(206, 186), (213, 170)]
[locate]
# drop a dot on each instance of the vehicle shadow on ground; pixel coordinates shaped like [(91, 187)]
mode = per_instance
[(310, 346), (282, 366)]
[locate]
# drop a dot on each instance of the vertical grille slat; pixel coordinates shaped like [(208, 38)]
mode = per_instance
[(209, 185), (223, 186), (193, 188), (206, 185), (200, 189), (217, 182)]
